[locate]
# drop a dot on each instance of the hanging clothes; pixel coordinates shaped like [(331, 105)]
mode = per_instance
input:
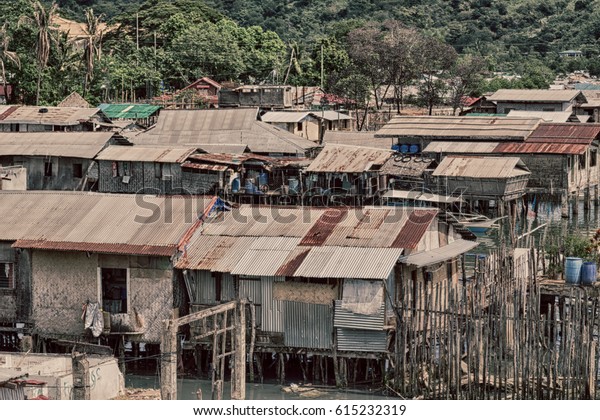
[(93, 319)]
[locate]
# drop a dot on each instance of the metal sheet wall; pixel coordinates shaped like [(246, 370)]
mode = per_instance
[(308, 325), (347, 319), (251, 289), (272, 310), (361, 340)]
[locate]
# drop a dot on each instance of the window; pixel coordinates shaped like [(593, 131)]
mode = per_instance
[(158, 170), (47, 168), (7, 280), (77, 170), (582, 161), (548, 109), (299, 128), (593, 158), (114, 290)]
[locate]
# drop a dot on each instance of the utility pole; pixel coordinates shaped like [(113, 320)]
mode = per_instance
[(137, 31), (322, 66)]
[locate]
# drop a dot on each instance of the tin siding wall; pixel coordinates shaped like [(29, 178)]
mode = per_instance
[(272, 310), (62, 282), (199, 183), (143, 177), (308, 325), (251, 289)]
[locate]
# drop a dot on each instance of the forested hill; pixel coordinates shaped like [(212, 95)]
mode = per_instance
[(485, 26)]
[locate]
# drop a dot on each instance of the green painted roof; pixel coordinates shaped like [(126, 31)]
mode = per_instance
[(128, 111)]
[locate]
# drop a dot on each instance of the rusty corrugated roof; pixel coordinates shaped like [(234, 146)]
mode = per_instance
[(72, 144), (540, 148), (415, 227), (111, 223), (481, 167), (568, 133), (48, 115), (349, 159)]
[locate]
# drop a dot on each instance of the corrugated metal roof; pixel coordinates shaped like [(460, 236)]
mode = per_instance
[(541, 148), (73, 144), (284, 117), (110, 223), (454, 128), (569, 133), (361, 340), (414, 228), (166, 154), (199, 120), (349, 262), (205, 167), (558, 117), (223, 148), (331, 115), (222, 127), (128, 111), (357, 138), (349, 159), (481, 167), (407, 166), (460, 147), (533, 95), (444, 253), (265, 256), (74, 100), (51, 115)]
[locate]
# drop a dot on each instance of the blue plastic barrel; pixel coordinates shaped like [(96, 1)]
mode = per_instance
[(235, 185), (404, 148), (293, 186), (588, 273), (414, 148), (573, 269), (250, 188)]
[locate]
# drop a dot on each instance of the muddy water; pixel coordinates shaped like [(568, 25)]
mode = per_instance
[(187, 389)]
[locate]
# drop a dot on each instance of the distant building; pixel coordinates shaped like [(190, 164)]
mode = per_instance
[(570, 54), (551, 100)]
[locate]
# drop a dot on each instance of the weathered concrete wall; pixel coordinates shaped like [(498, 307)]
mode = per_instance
[(62, 282), (105, 379)]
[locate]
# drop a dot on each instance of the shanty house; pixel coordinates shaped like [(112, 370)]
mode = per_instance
[(302, 124), (321, 279), (39, 118), (340, 170), (552, 100), (110, 252), (56, 161), (562, 158), (223, 127), (481, 178), (415, 133), (150, 170)]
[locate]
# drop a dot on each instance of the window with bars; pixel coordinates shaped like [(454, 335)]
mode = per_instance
[(7, 278)]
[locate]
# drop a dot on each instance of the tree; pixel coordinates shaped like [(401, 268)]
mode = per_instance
[(93, 45), (41, 21), (401, 44), (6, 55), (434, 61), (466, 76)]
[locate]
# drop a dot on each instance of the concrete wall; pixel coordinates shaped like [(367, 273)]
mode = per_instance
[(105, 379), (64, 281), (13, 178)]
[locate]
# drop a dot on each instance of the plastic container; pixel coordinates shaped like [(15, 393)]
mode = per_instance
[(573, 270), (414, 148), (235, 185), (589, 272), (263, 178), (404, 148), (294, 186)]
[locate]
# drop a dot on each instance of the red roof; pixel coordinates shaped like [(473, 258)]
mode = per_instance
[(413, 230), (541, 148), (564, 133)]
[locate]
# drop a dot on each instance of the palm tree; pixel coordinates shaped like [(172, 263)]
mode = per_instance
[(93, 45), (6, 55), (42, 22)]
